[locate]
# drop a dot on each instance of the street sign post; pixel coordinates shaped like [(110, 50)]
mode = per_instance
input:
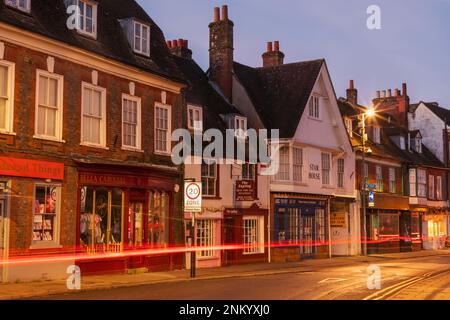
[(371, 199), (193, 204)]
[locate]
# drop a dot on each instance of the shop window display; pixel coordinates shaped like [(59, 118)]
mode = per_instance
[(45, 213)]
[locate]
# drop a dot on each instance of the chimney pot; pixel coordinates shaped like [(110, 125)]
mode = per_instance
[(276, 46), (169, 44), (269, 47), (180, 43), (397, 92), (186, 44), (383, 94), (351, 84), (216, 14), (225, 13), (405, 89), (390, 93)]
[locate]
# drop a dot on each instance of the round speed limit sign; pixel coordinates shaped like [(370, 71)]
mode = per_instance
[(193, 197)]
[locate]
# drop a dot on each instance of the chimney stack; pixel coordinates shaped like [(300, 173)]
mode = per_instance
[(352, 93), (273, 57), (180, 48), (390, 93), (378, 94), (397, 92), (221, 51), (405, 89)]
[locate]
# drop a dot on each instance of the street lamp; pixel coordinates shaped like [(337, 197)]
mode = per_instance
[(368, 114)]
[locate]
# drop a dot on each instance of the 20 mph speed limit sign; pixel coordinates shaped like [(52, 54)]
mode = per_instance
[(193, 197)]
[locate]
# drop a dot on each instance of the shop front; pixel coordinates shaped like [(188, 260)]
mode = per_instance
[(343, 227), (126, 211), (300, 227), (383, 223), (411, 229), (435, 228), (247, 229)]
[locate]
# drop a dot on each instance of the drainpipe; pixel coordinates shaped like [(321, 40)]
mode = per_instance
[(329, 227), (269, 231)]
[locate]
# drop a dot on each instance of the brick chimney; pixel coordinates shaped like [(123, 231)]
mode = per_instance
[(273, 56), (396, 105), (221, 51), (352, 93), (180, 48)]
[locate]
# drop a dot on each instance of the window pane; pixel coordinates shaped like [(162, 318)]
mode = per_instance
[(51, 122), (45, 210), (41, 120), (87, 98), (3, 119), (95, 130), (53, 93), (97, 104), (3, 81), (43, 90)]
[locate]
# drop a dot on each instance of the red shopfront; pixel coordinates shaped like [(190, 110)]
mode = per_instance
[(124, 211), (247, 228)]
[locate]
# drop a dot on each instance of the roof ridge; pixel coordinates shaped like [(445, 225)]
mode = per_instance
[(282, 65)]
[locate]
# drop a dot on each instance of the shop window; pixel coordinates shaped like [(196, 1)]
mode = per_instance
[(412, 182), (253, 235), (141, 38), (93, 124), (284, 173), (298, 164), (340, 173), (131, 122), (6, 96), (205, 237), (422, 183), (431, 185), (162, 129), (46, 214), (281, 225), (294, 228), (23, 5), (158, 217), (415, 226), (389, 225), (101, 219), (209, 178), (326, 169), (195, 118), (321, 226), (439, 188), (49, 104), (248, 171), (392, 181)]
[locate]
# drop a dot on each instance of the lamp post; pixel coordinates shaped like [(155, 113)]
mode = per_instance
[(369, 113)]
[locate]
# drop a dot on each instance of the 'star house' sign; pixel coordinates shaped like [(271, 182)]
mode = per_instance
[(31, 168), (314, 172)]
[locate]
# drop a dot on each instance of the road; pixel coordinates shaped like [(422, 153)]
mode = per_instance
[(417, 278)]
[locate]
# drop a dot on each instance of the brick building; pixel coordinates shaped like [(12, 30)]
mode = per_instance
[(86, 116)]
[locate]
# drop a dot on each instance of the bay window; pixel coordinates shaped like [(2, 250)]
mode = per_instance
[(49, 105), (93, 123), (162, 128), (131, 122), (6, 96), (47, 202)]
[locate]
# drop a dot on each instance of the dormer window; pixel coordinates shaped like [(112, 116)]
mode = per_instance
[(87, 19), (418, 145), (141, 38), (23, 5), (240, 127), (195, 118)]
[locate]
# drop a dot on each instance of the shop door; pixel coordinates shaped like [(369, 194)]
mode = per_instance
[(136, 228), (2, 233), (308, 236)]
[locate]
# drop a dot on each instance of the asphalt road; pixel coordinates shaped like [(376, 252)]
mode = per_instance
[(418, 278)]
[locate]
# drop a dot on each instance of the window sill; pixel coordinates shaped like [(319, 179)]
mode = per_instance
[(49, 139), (91, 145), (124, 148), (211, 197), (45, 245), (92, 36), (162, 153), (7, 133)]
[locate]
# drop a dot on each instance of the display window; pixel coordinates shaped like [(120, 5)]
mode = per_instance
[(46, 213)]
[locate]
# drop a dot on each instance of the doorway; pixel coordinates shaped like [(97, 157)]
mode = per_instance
[(136, 223), (308, 236)]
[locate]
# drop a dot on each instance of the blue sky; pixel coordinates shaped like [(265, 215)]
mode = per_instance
[(413, 45)]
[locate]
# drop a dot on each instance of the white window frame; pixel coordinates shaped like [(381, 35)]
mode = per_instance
[(439, 188), (169, 129), (314, 107), (286, 175), (240, 127), (138, 146), (256, 243), (298, 164), (55, 243), (213, 178), (249, 171), (94, 6), (422, 183), (412, 183), (60, 106), (326, 172), (16, 4), (431, 187), (210, 227), (379, 178), (341, 173), (143, 51), (418, 145), (392, 181), (102, 144), (10, 82), (197, 125)]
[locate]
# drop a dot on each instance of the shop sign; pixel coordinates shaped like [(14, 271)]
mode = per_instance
[(231, 212), (193, 197), (298, 202), (245, 190), (31, 168), (337, 220)]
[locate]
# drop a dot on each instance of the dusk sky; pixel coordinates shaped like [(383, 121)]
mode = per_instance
[(413, 45)]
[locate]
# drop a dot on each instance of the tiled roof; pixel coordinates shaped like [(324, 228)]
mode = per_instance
[(49, 18), (280, 94)]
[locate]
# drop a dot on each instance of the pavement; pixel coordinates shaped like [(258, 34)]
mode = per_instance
[(104, 282)]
